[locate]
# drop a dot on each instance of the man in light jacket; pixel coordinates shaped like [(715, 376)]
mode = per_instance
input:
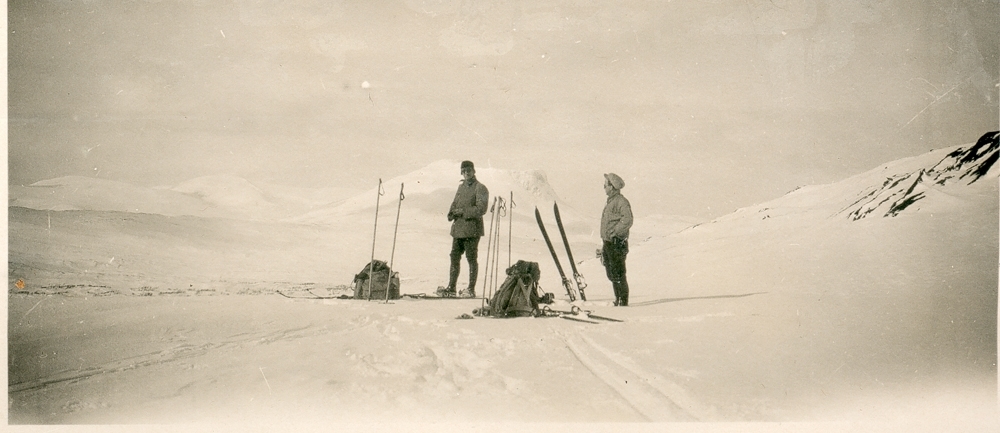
[(616, 220), (466, 214)]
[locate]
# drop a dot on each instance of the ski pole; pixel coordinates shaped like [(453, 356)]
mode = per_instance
[(510, 228), (371, 265), (492, 255), (392, 255), (501, 212), (489, 238)]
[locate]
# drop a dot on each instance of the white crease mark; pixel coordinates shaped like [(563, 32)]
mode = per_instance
[(466, 127), (29, 310), (265, 379), (931, 104)]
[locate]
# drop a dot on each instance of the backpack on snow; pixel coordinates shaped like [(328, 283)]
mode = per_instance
[(518, 295), (380, 279)]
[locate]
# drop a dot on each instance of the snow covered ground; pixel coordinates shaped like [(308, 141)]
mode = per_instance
[(789, 311)]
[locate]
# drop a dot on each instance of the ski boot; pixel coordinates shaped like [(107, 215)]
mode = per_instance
[(467, 293), (445, 292)]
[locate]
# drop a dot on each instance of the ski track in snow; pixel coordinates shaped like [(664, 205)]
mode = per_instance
[(177, 353), (651, 395)]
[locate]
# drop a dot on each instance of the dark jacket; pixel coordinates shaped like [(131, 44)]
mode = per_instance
[(616, 219), (467, 209)]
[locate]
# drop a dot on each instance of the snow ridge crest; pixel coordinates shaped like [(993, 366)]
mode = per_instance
[(901, 191)]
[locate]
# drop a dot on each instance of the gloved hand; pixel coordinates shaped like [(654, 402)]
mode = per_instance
[(621, 243)]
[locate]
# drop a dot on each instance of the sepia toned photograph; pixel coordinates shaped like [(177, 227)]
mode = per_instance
[(409, 215)]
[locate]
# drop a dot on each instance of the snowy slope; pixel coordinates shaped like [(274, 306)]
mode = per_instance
[(210, 196), (86, 193), (944, 181), (931, 182), (961, 165), (787, 311)]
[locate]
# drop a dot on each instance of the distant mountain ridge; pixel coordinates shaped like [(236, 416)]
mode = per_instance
[(932, 181), (903, 190), (226, 191), (210, 196), (431, 188), (905, 185), (87, 193)]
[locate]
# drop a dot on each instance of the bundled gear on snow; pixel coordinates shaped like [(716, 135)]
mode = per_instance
[(379, 282), (518, 296)]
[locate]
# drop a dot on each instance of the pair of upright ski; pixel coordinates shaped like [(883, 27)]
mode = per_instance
[(577, 277)]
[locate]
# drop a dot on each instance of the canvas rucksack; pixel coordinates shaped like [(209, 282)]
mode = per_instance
[(518, 295), (380, 272)]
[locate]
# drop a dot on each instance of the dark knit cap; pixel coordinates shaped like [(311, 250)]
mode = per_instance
[(467, 164)]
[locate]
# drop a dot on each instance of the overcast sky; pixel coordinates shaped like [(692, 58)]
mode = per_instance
[(701, 106)]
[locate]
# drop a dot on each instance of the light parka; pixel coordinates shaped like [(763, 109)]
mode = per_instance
[(617, 218), (467, 209)]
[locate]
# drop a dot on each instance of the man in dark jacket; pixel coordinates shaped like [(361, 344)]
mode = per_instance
[(466, 214), (616, 220)]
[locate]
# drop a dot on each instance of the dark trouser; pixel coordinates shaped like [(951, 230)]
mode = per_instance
[(614, 253), (469, 246)]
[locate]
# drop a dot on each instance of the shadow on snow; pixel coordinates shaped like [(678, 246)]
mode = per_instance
[(660, 301)]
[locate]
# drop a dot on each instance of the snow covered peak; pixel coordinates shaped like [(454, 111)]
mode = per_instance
[(432, 187), (445, 174), (935, 181), (901, 190), (225, 191), (972, 163)]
